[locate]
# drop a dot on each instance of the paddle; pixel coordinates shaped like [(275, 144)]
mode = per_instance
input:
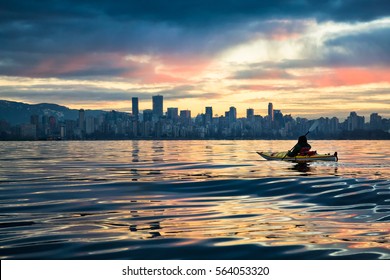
[(312, 127)]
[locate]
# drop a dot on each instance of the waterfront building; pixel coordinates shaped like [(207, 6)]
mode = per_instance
[(81, 122), (157, 106), (185, 116), (250, 114), (278, 119), (135, 108), (70, 127), (334, 125), (34, 119), (63, 131), (270, 112), (148, 115), (28, 131), (173, 114), (354, 122), (232, 115), (119, 125), (90, 125), (375, 121), (209, 115), (52, 123)]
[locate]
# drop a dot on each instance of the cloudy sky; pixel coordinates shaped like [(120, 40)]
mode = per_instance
[(308, 57)]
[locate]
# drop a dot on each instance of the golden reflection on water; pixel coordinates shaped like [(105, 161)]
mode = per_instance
[(206, 160), (108, 213), (262, 222), (185, 160)]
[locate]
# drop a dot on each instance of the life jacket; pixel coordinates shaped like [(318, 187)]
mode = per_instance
[(305, 151)]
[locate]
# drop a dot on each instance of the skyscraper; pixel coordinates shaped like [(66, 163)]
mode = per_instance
[(375, 121), (135, 109), (158, 106), (232, 114), (270, 112), (173, 114), (250, 113), (354, 121), (82, 120), (209, 115), (90, 125), (185, 116)]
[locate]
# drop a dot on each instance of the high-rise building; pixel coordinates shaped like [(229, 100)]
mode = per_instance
[(28, 131), (354, 121), (148, 115), (158, 106), (232, 114), (185, 116), (82, 120), (209, 115), (135, 108), (375, 121), (173, 114), (250, 113), (34, 119), (52, 123), (62, 131), (45, 124), (90, 125), (334, 125), (270, 112), (278, 116)]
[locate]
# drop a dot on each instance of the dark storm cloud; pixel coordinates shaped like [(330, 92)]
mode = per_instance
[(34, 32), (27, 44), (185, 92), (84, 93), (360, 48), (363, 48), (198, 11), (259, 72)]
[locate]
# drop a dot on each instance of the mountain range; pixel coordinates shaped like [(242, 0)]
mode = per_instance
[(18, 113)]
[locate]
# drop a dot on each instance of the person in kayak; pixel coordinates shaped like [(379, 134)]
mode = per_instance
[(302, 147)]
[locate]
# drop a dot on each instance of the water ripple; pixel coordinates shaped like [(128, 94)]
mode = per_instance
[(161, 200)]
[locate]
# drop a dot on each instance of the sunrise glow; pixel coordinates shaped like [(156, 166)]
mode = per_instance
[(305, 65)]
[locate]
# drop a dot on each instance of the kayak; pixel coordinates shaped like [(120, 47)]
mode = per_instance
[(299, 158)]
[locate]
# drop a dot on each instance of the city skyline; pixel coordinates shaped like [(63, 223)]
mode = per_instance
[(172, 123), (313, 59), (210, 110)]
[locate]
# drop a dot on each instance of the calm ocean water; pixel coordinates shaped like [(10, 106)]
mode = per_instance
[(192, 200)]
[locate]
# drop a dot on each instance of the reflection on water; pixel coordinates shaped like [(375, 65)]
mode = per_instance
[(192, 199)]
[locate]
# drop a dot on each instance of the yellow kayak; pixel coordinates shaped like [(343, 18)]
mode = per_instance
[(299, 158)]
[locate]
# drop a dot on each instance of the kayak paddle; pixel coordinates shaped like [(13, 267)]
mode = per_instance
[(312, 127)]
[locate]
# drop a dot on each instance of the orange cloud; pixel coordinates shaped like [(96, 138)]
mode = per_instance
[(183, 67), (167, 70), (68, 65), (350, 76), (154, 70), (283, 35), (148, 75)]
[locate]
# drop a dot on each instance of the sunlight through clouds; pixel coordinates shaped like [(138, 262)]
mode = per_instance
[(245, 55)]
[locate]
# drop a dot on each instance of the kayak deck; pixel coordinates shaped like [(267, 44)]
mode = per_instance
[(298, 158)]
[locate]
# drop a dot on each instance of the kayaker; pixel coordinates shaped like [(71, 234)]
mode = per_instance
[(301, 147)]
